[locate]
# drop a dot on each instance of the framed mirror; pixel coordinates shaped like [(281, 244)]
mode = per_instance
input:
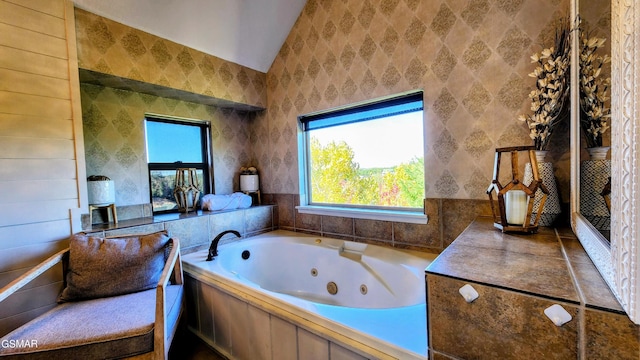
[(618, 260)]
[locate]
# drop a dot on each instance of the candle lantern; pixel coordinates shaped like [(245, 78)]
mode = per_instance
[(513, 211), (186, 190)]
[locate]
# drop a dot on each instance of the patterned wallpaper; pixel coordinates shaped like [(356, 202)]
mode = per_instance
[(108, 47), (114, 142), (470, 57)]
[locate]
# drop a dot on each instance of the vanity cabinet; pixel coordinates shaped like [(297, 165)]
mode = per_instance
[(516, 278)]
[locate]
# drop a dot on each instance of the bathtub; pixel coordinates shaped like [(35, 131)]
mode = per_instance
[(364, 300)]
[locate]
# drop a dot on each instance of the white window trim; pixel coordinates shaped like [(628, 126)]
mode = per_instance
[(384, 215)]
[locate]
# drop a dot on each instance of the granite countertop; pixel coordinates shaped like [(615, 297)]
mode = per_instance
[(550, 263)]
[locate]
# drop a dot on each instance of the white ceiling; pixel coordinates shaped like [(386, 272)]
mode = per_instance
[(246, 32)]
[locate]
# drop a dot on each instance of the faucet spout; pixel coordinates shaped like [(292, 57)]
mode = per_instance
[(213, 249)]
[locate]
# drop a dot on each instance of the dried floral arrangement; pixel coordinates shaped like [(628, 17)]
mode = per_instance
[(248, 170), (549, 100), (593, 90)]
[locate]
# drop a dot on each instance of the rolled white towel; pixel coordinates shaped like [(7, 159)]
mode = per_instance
[(238, 200)]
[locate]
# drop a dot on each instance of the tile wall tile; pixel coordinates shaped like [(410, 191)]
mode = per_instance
[(611, 336), (338, 225), (258, 219), (458, 214), (285, 210), (191, 231), (373, 229)]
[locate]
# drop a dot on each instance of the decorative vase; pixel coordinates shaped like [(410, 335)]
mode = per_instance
[(249, 183), (551, 209), (594, 176), (598, 152), (101, 192)]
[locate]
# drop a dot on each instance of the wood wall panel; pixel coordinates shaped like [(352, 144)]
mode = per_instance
[(27, 104), (36, 211), (34, 84), (30, 148), (36, 169), (32, 298), (33, 41), (33, 63), (54, 8), (33, 234), (38, 189), (26, 18), (39, 137), (35, 127), (48, 277), (28, 256)]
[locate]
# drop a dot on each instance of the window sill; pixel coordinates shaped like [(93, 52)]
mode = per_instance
[(385, 215)]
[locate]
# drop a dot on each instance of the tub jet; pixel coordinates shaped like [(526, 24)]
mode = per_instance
[(332, 288)]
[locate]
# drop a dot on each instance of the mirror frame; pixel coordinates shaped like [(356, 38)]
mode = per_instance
[(619, 262)]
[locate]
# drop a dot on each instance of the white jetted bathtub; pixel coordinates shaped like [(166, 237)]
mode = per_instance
[(287, 294)]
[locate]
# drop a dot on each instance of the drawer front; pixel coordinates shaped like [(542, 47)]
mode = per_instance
[(499, 324)]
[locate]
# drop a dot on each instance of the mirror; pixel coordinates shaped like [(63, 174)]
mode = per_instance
[(595, 135), (618, 260)]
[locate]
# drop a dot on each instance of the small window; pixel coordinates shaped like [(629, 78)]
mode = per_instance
[(369, 155), (173, 144)]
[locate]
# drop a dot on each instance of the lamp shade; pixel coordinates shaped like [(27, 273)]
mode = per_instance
[(101, 192)]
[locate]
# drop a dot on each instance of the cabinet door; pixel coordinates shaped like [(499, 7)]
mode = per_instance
[(499, 324)]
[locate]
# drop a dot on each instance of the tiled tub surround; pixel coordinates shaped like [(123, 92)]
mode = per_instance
[(447, 219), (517, 277), (267, 305), (196, 229)]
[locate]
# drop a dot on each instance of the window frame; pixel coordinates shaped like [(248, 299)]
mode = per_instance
[(388, 213), (206, 164)]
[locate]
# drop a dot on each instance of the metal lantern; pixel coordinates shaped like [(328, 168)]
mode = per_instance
[(515, 199)]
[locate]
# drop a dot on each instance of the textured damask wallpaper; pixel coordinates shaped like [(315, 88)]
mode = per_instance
[(109, 47), (470, 57)]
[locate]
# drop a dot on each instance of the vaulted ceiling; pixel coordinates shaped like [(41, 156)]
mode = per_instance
[(246, 32)]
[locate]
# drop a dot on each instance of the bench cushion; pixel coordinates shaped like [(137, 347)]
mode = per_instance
[(105, 328), (101, 267)]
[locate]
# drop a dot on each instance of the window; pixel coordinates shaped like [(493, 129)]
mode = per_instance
[(173, 144), (368, 156)]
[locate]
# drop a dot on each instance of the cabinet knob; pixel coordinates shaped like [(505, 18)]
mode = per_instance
[(557, 314), (468, 293)]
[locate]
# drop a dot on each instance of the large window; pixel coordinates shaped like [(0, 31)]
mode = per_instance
[(173, 144), (369, 155)]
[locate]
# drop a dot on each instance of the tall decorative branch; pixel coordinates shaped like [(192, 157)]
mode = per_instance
[(593, 90), (549, 100)]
